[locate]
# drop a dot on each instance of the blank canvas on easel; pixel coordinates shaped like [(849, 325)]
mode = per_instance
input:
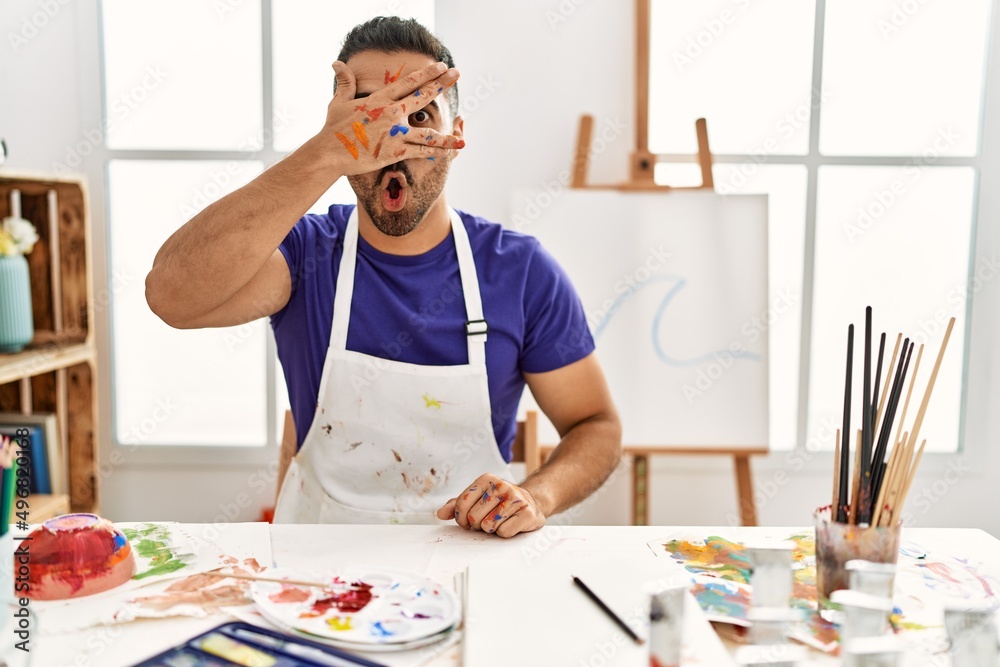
[(674, 286)]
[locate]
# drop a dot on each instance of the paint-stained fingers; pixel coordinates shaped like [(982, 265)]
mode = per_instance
[(422, 96), (525, 520), (483, 508), (495, 492), (505, 509), (466, 500), (426, 152), (427, 137), (404, 86)]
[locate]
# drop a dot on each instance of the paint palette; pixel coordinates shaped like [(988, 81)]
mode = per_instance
[(363, 608)]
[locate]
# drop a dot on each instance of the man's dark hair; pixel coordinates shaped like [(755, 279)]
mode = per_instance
[(393, 35)]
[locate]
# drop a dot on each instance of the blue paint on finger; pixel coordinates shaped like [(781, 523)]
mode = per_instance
[(431, 159), (440, 89), (397, 129), (497, 517)]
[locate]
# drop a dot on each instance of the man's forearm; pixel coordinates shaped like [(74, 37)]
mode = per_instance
[(218, 251), (586, 456)]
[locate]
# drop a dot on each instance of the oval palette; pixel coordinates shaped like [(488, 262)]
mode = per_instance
[(360, 606)]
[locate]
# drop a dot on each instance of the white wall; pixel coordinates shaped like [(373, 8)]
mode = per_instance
[(532, 76)]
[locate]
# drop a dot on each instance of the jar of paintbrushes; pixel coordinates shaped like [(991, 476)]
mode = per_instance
[(871, 481)]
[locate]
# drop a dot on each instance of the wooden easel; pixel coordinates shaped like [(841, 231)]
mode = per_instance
[(642, 166)]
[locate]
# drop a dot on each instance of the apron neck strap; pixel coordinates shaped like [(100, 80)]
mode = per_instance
[(475, 328)]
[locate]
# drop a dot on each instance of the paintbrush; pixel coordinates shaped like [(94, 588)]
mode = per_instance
[(276, 580), (866, 422), (607, 610), (878, 377), (845, 444), (890, 413)]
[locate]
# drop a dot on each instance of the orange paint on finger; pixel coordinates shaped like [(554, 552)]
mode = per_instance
[(391, 78), (378, 146), (373, 114), (349, 145), (359, 132)]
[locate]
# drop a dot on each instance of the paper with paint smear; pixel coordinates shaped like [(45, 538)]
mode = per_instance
[(925, 582), (558, 625), (170, 580)]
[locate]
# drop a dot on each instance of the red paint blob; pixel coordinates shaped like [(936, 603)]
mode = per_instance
[(353, 600)]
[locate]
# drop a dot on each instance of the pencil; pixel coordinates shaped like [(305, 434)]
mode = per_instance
[(607, 610)]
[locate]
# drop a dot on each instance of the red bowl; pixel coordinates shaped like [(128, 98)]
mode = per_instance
[(75, 555)]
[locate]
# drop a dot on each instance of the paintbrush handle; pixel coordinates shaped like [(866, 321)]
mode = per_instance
[(276, 580), (607, 610)]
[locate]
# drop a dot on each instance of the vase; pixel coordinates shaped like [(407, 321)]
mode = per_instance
[(16, 322)]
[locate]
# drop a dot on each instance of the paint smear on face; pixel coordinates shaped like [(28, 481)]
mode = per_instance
[(359, 132), (397, 129), (391, 78), (349, 145), (289, 594)]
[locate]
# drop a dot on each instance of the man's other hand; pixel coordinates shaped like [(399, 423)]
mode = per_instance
[(494, 505)]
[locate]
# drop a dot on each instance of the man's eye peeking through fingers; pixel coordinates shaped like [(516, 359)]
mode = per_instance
[(421, 117)]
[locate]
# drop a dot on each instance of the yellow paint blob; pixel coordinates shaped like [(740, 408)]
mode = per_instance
[(339, 622)]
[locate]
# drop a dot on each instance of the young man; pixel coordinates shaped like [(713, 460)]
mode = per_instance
[(406, 330)]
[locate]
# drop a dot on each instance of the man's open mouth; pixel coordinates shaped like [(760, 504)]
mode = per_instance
[(393, 191)]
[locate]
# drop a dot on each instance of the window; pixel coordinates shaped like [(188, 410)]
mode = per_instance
[(861, 119), (193, 110)]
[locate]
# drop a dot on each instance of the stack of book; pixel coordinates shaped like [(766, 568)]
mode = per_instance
[(47, 472)]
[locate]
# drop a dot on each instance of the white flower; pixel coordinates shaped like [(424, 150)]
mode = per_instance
[(22, 233)]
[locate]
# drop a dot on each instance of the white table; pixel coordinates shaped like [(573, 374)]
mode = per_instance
[(440, 552)]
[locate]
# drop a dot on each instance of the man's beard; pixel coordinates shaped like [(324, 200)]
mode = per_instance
[(419, 196)]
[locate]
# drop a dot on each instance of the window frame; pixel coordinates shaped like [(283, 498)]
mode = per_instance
[(228, 456), (813, 160)]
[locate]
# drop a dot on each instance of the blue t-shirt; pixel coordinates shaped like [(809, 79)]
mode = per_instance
[(411, 309)]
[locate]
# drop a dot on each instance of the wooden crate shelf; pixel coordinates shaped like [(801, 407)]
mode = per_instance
[(44, 506), (57, 371)]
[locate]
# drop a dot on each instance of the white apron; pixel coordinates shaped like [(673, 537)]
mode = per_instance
[(391, 442)]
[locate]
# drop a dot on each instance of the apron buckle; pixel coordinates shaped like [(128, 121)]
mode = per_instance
[(476, 328)]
